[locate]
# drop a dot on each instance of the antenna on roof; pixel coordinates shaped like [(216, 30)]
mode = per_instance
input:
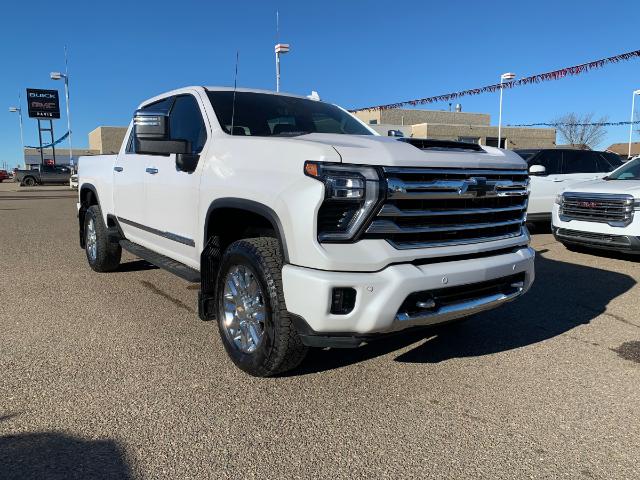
[(235, 86)]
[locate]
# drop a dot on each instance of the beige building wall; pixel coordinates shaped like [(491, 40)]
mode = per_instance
[(515, 137), (400, 116), (107, 140)]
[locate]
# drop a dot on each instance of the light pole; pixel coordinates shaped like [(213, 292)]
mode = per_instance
[(281, 48), (505, 76), (65, 76), (633, 99), (18, 110)]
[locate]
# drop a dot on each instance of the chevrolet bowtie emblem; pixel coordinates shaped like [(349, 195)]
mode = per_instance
[(479, 186)]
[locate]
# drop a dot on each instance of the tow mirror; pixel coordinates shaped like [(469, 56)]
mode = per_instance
[(537, 170), (151, 135), (150, 125)]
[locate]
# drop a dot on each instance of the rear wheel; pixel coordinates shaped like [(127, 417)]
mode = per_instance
[(29, 181), (102, 255), (254, 324)]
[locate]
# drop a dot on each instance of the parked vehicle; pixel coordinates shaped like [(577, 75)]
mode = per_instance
[(73, 182), (4, 175), (601, 213), (303, 226), (47, 174), (553, 170)]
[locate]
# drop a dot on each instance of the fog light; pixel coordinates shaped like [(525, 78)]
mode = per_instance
[(342, 300)]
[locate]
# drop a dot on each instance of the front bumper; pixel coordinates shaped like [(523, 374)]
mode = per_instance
[(596, 234), (605, 241), (379, 295)]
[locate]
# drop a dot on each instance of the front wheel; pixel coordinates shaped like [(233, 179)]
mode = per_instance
[(254, 324), (102, 254)]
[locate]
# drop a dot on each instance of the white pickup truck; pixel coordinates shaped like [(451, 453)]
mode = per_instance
[(601, 213), (304, 227)]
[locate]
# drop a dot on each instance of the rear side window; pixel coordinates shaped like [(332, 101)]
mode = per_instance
[(551, 160), (580, 161), (186, 123)]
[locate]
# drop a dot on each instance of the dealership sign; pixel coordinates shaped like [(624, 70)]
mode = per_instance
[(43, 103)]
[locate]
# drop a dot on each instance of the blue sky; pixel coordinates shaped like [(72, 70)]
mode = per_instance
[(354, 53)]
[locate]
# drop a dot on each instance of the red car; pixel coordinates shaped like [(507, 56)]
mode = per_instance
[(3, 175)]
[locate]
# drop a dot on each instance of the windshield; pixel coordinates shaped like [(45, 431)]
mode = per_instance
[(267, 115), (629, 171)]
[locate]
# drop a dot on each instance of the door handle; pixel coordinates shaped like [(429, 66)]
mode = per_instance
[(151, 170), (117, 169), (558, 180)]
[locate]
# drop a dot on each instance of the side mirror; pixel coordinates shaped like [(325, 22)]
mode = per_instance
[(151, 135), (395, 133), (537, 170), (150, 125), (161, 147), (187, 162)]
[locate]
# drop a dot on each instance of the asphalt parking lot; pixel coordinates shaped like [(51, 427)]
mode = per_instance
[(114, 376)]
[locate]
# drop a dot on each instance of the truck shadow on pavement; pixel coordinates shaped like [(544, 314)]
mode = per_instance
[(56, 455), (564, 296)]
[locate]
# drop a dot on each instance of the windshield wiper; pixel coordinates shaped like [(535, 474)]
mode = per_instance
[(290, 134)]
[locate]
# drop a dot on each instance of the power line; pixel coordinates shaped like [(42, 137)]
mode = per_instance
[(562, 124)]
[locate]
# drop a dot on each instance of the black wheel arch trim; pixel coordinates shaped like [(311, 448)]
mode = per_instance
[(253, 207), (83, 208)]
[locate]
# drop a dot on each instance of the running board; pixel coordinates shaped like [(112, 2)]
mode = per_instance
[(180, 269)]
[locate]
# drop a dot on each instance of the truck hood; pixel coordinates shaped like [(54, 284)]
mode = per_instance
[(631, 187), (379, 150)]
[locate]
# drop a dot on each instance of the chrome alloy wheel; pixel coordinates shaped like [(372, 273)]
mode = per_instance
[(244, 308), (91, 240)]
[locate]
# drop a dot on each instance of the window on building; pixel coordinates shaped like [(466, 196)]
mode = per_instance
[(469, 139), (493, 142), (373, 121)]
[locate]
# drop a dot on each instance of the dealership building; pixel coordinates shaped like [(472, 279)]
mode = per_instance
[(456, 125), (102, 141)]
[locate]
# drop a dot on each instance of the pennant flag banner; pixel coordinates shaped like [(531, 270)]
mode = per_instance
[(595, 124), (541, 77), (49, 145)]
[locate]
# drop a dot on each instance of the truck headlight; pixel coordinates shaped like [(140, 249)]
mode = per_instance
[(352, 193), (559, 199)]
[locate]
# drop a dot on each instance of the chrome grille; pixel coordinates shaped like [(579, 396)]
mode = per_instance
[(616, 210), (428, 207)]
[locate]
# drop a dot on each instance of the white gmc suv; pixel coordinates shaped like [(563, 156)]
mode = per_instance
[(601, 213), (303, 227)]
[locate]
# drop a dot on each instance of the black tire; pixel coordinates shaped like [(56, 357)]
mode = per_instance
[(280, 348), (107, 254), (29, 181)]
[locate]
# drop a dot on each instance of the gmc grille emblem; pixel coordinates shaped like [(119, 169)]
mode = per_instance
[(587, 204)]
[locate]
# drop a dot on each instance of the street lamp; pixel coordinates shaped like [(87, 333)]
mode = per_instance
[(633, 98), (18, 110), (505, 76), (65, 76), (281, 48)]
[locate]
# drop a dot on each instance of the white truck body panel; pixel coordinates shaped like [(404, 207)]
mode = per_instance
[(166, 210)]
